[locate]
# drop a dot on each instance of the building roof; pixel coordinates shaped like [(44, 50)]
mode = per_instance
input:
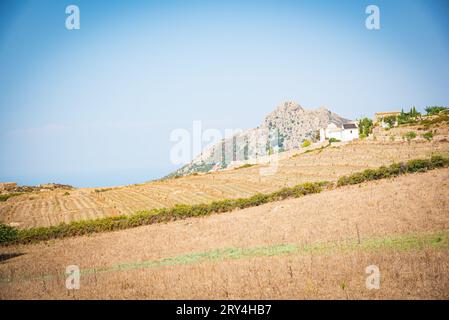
[(349, 126)]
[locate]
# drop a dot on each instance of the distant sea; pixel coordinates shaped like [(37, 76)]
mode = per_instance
[(96, 179)]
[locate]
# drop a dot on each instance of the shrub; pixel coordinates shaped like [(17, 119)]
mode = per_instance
[(439, 161), (7, 234), (333, 140), (410, 135), (362, 136), (4, 197), (416, 165), (306, 143), (428, 135), (431, 110), (391, 120)]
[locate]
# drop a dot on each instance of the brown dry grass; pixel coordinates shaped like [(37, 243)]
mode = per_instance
[(415, 203), (404, 275)]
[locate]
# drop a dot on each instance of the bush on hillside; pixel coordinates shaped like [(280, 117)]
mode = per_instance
[(306, 143), (4, 197), (390, 121), (396, 169), (410, 135), (7, 234), (428, 135), (432, 110)]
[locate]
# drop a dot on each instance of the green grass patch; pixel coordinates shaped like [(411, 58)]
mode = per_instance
[(428, 135), (410, 135), (4, 197), (408, 242)]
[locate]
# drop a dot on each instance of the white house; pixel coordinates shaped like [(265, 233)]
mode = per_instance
[(347, 132)]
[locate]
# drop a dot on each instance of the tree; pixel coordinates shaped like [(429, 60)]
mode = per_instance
[(413, 113), (410, 135), (391, 120), (431, 110), (365, 126)]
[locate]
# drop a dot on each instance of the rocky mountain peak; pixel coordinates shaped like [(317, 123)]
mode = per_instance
[(292, 124)]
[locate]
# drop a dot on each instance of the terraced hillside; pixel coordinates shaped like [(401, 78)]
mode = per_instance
[(53, 207), (313, 247)]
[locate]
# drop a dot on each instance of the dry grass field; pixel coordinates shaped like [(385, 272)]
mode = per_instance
[(317, 246), (52, 207)]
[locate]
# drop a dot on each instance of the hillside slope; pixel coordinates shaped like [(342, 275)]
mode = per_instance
[(317, 246)]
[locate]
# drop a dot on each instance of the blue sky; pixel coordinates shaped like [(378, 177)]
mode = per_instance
[(95, 106)]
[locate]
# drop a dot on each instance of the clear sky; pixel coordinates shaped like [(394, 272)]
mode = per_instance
[(95, 106)]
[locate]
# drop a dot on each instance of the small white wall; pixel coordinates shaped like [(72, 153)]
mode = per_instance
[(334, 134), (332, 131), (322, 135), (350, 134)]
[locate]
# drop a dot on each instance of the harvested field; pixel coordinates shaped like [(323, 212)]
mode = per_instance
[(52, 207), (317, 246)]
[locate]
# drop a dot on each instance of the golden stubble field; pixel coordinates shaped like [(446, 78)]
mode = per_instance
[(53, 207), (317, 246)]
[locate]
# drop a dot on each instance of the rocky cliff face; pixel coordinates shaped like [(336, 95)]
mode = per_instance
[(283, 129), (296, 124)]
